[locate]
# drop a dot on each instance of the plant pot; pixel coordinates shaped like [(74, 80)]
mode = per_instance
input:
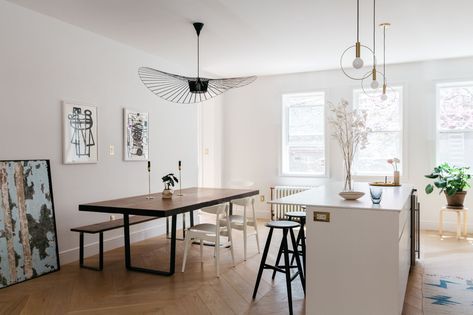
[(167, 194), (396, 178), (456, 200)]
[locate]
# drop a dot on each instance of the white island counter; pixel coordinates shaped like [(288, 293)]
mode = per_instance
[(358, 262)]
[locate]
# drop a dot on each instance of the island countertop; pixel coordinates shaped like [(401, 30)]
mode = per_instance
[(327, 196)]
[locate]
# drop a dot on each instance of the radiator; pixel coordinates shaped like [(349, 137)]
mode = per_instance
[(278, 211)]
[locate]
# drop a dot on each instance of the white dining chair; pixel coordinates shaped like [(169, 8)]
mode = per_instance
[(242, 222), (211, 233)]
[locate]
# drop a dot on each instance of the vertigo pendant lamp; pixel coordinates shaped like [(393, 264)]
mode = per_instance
[(358, 62), (186, 90)]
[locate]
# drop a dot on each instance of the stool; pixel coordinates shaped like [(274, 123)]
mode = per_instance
[(298, 216), (287, 227), (459, 212)]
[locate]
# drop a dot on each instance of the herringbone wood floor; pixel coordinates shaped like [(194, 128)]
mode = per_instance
[(73, 290)]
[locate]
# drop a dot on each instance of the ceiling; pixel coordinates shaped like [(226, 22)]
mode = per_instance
[(243, 37)]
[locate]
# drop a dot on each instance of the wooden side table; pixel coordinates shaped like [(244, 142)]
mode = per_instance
[(460, 225)]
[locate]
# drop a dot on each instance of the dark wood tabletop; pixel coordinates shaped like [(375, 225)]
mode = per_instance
[(192, 199)]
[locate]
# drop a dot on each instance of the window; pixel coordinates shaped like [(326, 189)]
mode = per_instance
[(303, 138), (455, 123), (384, 118)]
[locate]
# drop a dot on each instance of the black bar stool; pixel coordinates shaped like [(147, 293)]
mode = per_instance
[(287, 227), (299, 216)]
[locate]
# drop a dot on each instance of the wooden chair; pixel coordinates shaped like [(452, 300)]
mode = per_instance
[(211, 233)]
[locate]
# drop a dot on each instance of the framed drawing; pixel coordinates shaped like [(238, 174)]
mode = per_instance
[(28, 237), (80, 133), (136, 136)]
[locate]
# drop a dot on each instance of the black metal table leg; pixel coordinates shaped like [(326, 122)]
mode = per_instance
[(191, 214), (172, 260)]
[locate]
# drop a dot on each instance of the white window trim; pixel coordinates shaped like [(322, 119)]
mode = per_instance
[(438, 86), (403, 131), (284, 123)]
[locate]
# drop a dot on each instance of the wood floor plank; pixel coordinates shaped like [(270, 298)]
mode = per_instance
[(115, 290)]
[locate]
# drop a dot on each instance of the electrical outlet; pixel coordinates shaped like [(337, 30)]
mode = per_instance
[(111, 150), (261, 198), (112, 217)]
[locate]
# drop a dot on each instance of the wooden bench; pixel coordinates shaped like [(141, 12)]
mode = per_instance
[(100, 228)]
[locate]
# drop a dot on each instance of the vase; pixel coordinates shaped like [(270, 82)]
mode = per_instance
[(167, 194), (397, 178), (456, 200), (348, 181)]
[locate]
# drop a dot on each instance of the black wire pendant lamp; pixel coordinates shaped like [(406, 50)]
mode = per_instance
[(187, 90)]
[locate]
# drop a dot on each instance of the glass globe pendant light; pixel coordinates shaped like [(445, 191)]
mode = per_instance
[(358, 62)]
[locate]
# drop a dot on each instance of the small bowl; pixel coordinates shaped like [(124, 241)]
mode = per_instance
[(351, 195)]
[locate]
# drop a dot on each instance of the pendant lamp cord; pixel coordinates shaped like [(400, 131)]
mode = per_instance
[(198, 56), (384, 53), (374, 33), (357, 20)]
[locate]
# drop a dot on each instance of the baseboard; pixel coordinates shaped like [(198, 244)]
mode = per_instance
[(263, 214), (447, 226), (151, 229)]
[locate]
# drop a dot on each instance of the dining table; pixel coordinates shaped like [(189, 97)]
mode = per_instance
[(189, 200)]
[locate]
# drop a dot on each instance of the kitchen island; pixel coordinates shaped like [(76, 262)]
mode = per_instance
[(358, 253)]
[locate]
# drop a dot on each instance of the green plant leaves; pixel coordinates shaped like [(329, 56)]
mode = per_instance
[(429, 189), (450, 179)]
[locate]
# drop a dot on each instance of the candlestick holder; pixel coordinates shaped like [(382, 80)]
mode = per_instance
[(180, 183), (149, 182)]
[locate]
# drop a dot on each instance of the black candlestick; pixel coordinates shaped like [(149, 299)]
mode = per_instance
[(149, 181), (180, 181)]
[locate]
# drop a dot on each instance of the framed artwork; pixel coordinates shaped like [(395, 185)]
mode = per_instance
[(28, 237), (136, 136), (80, 133)]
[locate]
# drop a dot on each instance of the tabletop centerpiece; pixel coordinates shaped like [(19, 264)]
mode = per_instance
[(451, 180), (169, 181), (396, 173), (351, 132)]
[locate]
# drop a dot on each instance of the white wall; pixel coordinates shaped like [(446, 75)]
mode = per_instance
[(44, 61), (252, 125)]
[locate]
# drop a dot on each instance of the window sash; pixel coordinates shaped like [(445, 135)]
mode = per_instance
[(288, 144), (399, 130)]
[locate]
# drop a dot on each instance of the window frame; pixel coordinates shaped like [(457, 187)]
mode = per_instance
[(403, 133), (438, 86), (283, 140)]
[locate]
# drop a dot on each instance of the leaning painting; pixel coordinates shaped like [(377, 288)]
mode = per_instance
[(28, 243), (136, 136), (80, 133)]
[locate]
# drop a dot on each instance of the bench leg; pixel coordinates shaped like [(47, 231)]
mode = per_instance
[(81, 249), (81, 253)]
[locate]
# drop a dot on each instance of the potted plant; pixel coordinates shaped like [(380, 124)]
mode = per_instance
[(169, 181), (451, 180)]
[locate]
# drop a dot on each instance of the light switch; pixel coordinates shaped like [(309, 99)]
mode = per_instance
[(261, 198), (111, 150), (206, 151), (321, 216)]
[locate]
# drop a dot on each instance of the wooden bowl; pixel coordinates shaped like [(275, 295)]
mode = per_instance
[(351, 195)]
